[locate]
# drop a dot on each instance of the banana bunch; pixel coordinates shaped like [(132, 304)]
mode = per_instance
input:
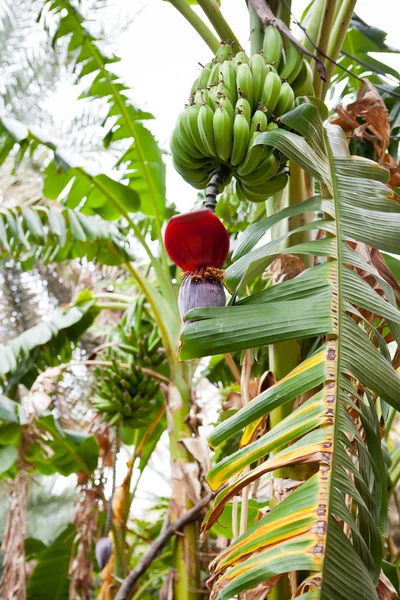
[(235, 99), (129, 395)]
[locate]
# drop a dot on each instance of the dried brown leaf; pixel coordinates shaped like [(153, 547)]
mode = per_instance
[(367, 119), (286, 267), (385, 589)]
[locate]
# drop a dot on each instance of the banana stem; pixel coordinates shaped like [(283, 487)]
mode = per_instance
[(204, 32), (256, 31), (284, 11), (244, 388), (221, 26), (328, 16), (336, 39), (218, 178), (314, 28), (300, 188)]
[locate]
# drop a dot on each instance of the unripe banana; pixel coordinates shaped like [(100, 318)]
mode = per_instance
[(271, 91), (205, 121), (245, 195), (228, 77), (204, 77), (224, 52), (254, 156), (259, 122), (241, 57), (257, 66), (303, 82), (272, 126), (198, 97), (194, 87), (185, 141), (185, 159), (267, 189), (272, 46), (286, 100), (243, 106), (115, 419), (241, 136), (228, 106), (214, 75), (244, 82), (198, 178), (190, 124), (294, 61), (269, 68), (223, 90), (267, 169), (222, 133), (213, 95)]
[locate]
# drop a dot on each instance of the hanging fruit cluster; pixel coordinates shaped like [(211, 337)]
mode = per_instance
[(198, 243), (128, 395), (234, 100)]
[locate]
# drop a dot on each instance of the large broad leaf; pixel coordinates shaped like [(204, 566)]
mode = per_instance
[(71, 452), (49, 580), (53, 235), (47, 344), (79, 182), (332, 524), (143, 160)]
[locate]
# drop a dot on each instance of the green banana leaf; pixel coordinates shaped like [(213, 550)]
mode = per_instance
[(332, 524)]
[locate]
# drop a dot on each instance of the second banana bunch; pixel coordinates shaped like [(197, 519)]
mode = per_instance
[(234, 99)]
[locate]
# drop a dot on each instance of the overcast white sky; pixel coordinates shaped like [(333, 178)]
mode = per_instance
[(160, 54)]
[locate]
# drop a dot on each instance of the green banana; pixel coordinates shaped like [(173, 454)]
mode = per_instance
[(198, 97), (228, 106), (205, 121), (214, 75), (271, 91), (213, 95), (115, 419), (223, 90), (259, 122), (257, 66), (263, 172), (183, 158), (272, 126), (303, 82), (241, 136), (267, 189), (294, 61), (185, 141), (244, 195), (194, 87), (204, 77), (243, 106), (196, 177), (241, 57), (222, 133), (244, 82), (224, 52), (254, 156), (272, 46), (228, 76), (269, 68), (286, 99)]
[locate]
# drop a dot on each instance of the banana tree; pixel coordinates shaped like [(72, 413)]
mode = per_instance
[(327, 329), (326, 409)]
